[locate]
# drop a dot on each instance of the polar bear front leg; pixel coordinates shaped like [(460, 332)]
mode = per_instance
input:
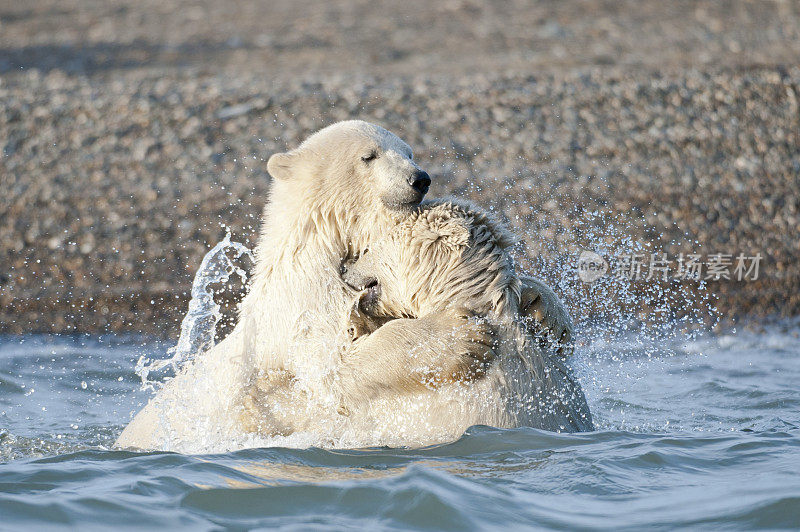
[(539, 303), (414, 354)]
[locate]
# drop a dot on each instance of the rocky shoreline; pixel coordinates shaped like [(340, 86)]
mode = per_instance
[(115, 181)]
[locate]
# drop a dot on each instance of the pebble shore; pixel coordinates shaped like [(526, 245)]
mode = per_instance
[(116, 178)]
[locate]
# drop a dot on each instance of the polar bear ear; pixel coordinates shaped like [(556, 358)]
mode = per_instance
[(282, 165)]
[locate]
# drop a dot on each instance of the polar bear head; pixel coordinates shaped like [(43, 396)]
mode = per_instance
[(353, 165), (445, 254)]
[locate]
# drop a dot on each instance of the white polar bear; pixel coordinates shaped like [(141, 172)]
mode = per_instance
[(450, 255), (343, 187)]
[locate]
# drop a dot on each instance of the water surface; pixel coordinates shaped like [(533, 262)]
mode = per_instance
[(691, 433)]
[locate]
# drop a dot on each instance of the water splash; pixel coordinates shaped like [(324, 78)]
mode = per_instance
[(198, 327), (625, 328)]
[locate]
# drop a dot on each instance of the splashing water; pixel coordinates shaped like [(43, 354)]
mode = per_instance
[(198, 327)]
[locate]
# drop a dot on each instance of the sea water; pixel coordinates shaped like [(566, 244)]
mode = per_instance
[(695, 432)]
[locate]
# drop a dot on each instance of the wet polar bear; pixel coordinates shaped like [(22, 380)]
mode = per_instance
[(452, 255), (345, 186)]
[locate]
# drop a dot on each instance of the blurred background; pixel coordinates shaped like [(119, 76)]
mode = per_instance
[(131, 132)]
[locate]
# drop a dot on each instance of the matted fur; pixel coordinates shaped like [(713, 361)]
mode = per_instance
[(451, 254), (461, 252)]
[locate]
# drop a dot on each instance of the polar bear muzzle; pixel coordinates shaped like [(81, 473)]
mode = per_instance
[(420, 181)]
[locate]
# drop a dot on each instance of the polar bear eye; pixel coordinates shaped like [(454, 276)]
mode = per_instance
[(371, 156)]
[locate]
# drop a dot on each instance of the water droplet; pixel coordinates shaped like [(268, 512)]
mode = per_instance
[(199, 324)]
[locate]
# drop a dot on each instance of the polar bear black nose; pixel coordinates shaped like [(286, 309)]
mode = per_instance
[(420, 181)]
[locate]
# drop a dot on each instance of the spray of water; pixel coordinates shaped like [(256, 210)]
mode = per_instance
[(198, 327), (624, 327)]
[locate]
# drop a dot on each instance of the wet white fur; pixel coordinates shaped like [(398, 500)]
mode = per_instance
[(325, 203), (451, 254)]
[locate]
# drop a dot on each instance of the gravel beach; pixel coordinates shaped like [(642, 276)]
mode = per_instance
[(131, 134)]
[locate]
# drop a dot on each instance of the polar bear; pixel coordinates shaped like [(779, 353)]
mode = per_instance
[(345, 186), (453, 255)]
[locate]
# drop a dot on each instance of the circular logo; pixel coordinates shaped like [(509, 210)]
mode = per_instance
[(591, 266)]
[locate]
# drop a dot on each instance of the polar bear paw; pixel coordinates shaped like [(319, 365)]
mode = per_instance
[(540, 305), (466, 349)]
